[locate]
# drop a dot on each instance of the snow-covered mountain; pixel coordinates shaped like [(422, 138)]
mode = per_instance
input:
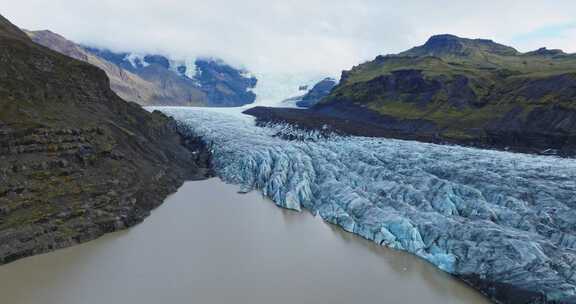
[(152, 79)]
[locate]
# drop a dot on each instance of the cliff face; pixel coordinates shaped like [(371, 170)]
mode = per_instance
[(76, 160), (157, 80), (473, 91)]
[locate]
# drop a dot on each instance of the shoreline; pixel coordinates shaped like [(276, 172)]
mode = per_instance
[(173, 253), (87, 220), (364, 123)]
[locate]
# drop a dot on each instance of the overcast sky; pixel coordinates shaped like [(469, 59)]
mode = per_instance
[(316, 37)]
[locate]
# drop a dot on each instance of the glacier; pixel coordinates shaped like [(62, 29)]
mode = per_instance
[(500, 221)]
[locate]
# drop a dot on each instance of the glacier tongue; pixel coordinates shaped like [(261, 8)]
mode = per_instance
[(502, 217)]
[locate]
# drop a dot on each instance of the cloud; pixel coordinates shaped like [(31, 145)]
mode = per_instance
[(300, 37), (558, 35)]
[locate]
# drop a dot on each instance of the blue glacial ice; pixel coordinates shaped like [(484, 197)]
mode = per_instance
[(503, 217)]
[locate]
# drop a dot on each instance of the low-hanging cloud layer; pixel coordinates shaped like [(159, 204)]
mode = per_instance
[(314, 37)]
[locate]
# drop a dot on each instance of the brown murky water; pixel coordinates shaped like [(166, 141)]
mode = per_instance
[(208, 244)]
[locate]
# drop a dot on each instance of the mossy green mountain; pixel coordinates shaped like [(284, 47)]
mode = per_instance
[(471, 90)]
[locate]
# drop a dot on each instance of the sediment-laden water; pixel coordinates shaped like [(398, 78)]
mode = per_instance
[(208, 244)]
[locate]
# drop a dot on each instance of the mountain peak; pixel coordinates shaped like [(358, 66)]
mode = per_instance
[(451, 45), (442, 38), (543, 51)]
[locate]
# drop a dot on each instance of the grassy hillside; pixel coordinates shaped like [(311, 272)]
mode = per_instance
[(467, 87)]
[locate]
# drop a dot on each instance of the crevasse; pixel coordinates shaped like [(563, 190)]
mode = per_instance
[(504, 217)]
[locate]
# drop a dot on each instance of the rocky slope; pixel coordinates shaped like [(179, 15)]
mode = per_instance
[(217, 83), (158, 80), (318, 91), (126, 84), (466, 91), (77, 161), (223, 84)]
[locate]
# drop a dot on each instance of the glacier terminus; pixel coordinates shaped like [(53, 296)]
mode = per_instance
[(503, 222)]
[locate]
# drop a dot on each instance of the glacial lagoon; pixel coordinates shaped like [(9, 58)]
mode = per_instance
[(209, 244)]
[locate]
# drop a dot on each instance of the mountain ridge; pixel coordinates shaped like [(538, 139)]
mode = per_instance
[(444, 44), (152, 80), (457, 90)]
